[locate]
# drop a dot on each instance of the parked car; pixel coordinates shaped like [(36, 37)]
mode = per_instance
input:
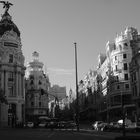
[(52, 124), (67, 124), (102, 126), (42, 124), (95, 125), (115, 126), (71, 125), (29, 124), (133, 127), (62, 124)]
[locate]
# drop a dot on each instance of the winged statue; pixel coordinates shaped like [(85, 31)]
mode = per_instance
[(6, 5)]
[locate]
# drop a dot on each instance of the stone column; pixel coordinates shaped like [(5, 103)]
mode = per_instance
[(15, 83), (19, 84)]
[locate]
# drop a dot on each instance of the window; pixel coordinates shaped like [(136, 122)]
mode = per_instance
[(31, 77), (126, 76), (125, 66), (125, 44), (126, 86), (118, 86), (116, 67), (10, 76), (117, 78), (39, 82), (32, 104), (32, 82), (11, 92), (117, 99), (10, 58), (135, 91), (114, 46), (124, 55), (120, 47), (134, 76), (39, 104), (115, 57)]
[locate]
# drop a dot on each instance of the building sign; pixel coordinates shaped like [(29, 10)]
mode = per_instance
[(10, 44)]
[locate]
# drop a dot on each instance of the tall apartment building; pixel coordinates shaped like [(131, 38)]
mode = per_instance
[(37, 89), (119, 55), (111, 85), (11, 72)]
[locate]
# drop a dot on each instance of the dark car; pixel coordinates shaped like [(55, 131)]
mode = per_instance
[(52, 124)]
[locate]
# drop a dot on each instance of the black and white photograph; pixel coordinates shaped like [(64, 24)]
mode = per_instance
[(69, 69)]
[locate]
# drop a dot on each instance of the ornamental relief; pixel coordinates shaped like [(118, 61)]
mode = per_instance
[(18, 56), (11, 36)]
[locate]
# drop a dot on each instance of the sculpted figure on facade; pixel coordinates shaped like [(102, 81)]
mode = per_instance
[(6, 5)]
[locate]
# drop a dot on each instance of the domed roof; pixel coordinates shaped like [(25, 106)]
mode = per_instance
[(6, 24)]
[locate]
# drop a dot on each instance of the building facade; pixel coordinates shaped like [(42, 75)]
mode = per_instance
[(120, 55), (12, 72), (111, 84), (56, 95), (37, 89), (135, 73)]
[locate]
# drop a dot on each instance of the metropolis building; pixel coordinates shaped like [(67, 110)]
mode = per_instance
[(11, 72)]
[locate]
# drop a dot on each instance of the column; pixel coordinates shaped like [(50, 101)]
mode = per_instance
[(19, 84), (15, 83)]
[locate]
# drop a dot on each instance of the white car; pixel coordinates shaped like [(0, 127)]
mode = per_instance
[(96, 124), (30, 124), (42, 124)]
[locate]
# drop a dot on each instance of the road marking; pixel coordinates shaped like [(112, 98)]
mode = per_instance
[(50, 135)]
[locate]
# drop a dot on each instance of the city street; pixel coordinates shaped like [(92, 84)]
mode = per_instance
[(43, 134)]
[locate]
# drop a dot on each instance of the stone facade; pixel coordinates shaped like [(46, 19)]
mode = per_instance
[(135, 73), (12, 72), (37, 87), (110, 87)]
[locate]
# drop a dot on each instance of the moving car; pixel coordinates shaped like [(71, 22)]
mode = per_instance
[(95, 125)]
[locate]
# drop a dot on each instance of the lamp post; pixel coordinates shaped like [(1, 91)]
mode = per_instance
[(77, 95), (123, 111)]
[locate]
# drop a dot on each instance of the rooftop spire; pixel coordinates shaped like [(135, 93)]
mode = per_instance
[(6, 5)]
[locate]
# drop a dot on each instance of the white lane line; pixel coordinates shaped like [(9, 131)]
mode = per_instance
[(50, 135)]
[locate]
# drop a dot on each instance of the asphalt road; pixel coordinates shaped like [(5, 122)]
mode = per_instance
[(43, 134)]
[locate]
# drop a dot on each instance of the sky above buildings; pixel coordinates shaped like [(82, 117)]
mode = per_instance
[(51, 27)]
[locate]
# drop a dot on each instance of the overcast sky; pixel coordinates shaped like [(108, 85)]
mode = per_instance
[(50, 27)]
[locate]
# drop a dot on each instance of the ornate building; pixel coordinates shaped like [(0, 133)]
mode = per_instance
[(135, 72), (115, 74), (37, 88), (113, 85), (12, 72)]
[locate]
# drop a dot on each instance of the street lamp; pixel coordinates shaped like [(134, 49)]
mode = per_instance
[(123, 110), (77, 95)]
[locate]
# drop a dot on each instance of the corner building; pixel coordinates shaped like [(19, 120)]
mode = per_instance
[(119, 89), (37, 88), (12, 72)]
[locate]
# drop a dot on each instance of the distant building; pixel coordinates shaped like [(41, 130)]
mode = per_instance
[(12, 72), (37, 87), (57, 91)]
